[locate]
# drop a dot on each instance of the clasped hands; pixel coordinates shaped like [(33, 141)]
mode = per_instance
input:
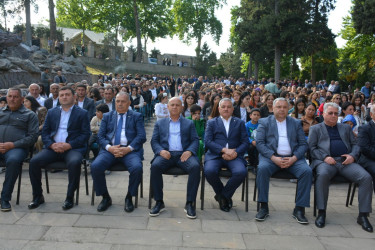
[(60, 147), (167, 155), (119, 151), (331, 161), (6, 146), (284, 162), (229, 154)]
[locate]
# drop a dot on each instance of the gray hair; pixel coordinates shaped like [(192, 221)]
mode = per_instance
[(34, 84), (330, 104), (225, 100), (122, 93), (280, 99)]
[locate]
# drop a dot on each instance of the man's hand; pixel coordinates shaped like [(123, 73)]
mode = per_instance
[(165, 154), (349, 159), (329, 160), (124, 151), (254, 143), (66, 146), (278, 161), (60, 147), (6, 146), (288, 161), (115, 150), (185, 156)]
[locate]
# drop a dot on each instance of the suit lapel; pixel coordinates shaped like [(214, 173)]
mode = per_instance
[(325, 134), (71, 116), (232, 123), (274, 128), (221, 124), (343, 136), (289, 130)]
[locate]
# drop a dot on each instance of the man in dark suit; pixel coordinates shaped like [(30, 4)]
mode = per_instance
[(121, 136), (334, 151), (282, 146), (65, 134), (226, 142), (53, 101), (366, 141), (175, 143), (109, 99), (84, 102)]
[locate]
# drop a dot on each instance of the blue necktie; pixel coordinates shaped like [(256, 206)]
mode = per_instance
[(118, 130)]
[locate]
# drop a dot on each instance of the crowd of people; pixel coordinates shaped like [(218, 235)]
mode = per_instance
[(308, 129)]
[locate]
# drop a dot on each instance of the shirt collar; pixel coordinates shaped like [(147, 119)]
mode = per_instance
[(226, 120), (120, 114), (179, 119), (71, 108)]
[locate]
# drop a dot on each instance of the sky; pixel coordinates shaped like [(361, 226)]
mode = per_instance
[(175, 46)]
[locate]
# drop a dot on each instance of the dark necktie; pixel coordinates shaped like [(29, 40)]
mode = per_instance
[(118, 130)]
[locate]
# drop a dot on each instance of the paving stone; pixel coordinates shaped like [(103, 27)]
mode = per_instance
[(75, 234), (48, 245), (49, 219), (225, 226), (278, 242), (143, 237), (294, 229), (12, 244), (217, 214), (174, 224), (332, 230), (10, 217), (142, 247), (22, 232), (357, 231), (213, 240), (112, 222), (342, 243)]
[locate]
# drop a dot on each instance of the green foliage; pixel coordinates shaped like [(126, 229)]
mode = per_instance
[(154, 53), (216, 70), (205, 60), (231, 62), (363, 14)]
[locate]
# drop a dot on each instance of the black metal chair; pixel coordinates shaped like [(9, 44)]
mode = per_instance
[(61, 165), (119, 167), (226, 173)]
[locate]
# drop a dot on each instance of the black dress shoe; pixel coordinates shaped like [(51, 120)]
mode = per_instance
[(262, 214), (37, 201), (129, 207), (190, 210), (5, 206), (230, 203), (223, 202), (157, 209), (366, 225), (299, 215), (68, 204), (104, 204), (320, 220)]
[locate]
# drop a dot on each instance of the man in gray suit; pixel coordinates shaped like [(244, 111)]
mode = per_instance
[(282, 145), (334, 151)]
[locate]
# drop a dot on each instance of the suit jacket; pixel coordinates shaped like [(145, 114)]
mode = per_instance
[(134, 130), (216, 137), (103, 101), (267, 137), (56, 79), (89, 106), (319, 142), (189, 136), (48, 103), (78, 128), (366, 140)]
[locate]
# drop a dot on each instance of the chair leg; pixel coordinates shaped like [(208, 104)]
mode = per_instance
[(348, 195), (19, 187), (46, 176), (295, 196), (352, 198), (314, 201), (92, 195), (77, 194), (255, 190), (243, 191), (203, 182), (136, 201), (86, 179), (142, 187), (247, 193), (150, 195)]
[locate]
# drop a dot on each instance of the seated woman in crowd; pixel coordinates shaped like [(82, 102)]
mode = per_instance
[(200, 125), (189, 101), (242, 110), (309, 119), (267, 108), (137, 100), (299, 109), (236, 97), (314, 98), (359, 109), (215, 99)]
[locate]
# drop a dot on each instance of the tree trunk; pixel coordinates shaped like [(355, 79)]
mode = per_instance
[(256, 70), (2, 2), (28, 22), (52, 21), (277, 62), (313, 73), (294, 65), (116, 41), (250, 67), (145, 45), (198, 49), (138, 32)]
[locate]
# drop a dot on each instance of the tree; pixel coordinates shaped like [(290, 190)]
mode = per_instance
[(196, 18), (154, 53), (206, 59), (52, 20), (231, 62), (363, 15)]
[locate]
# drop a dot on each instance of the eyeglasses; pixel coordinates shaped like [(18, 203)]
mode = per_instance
[(333, 113)]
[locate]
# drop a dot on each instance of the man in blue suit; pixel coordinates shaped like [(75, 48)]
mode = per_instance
[(226, 142), (65, 134), (175, 143), (84, 102), (121, 137), (108, 99), (282, 145)]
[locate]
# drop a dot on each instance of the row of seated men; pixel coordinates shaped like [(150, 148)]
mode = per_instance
[(280, 141)]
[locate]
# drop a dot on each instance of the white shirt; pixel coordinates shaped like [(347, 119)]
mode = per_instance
[(80, 104), (174, 138), (154, 93), (109, 105), (226, 126), (41, 100), (62, 131), (54, 102), (161, 111), (283, 147)]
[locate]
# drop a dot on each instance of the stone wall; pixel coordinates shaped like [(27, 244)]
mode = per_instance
[(9, 79)]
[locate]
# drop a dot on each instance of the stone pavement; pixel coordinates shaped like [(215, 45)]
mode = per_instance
[(49, 227)]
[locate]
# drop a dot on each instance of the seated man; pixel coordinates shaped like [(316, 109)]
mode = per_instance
[(226, 142), (366, 140), (282, 145), (121, 136), (175, 143), (334, 151), (20, 129), (65, 134)]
